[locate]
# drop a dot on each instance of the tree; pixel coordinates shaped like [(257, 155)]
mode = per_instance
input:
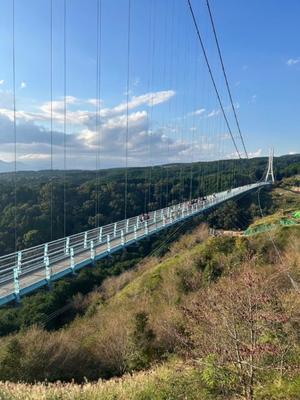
[(237, 328), (31, 238)]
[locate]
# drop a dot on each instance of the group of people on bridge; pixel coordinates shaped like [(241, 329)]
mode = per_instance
[(175, 211)]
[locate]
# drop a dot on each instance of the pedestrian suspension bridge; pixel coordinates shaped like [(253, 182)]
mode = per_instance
[(26, 270)]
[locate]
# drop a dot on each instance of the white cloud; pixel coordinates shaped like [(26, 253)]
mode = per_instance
[(36, 156), (256, 153), (1, 81), (293, 61), (203, 113), (213, 113), (94, 102), (149, 99), (84, 141), (81, 116), (33, 133), (200, 111), (23, 85)]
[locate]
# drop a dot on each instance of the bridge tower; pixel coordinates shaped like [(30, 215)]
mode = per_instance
[(270, 171)]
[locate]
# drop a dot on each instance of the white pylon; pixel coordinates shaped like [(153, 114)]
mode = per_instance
[(270, 171)]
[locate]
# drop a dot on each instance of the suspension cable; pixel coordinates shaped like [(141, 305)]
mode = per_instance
[(225, 76), (65, 112), (150, 131), (212, 77), (127, 108), (98, 108), (51, 119), (171, 83), (14, 121), (195, 92)]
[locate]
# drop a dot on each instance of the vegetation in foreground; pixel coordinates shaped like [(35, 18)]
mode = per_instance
[(215, 318)]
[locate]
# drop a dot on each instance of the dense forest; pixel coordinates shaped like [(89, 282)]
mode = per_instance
[(32, 203)]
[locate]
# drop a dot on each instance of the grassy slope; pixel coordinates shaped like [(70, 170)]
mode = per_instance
[(147, 287), (169, 382), (284, 203)]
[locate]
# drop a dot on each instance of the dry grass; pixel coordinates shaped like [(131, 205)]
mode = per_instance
[(168, 382)]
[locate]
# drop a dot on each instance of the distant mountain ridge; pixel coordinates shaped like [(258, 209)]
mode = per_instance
[(9, 166), (6, 166)]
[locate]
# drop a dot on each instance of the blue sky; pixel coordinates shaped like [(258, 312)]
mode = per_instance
[(173, 112)]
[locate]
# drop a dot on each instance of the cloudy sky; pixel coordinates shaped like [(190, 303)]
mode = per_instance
[(173, 114)]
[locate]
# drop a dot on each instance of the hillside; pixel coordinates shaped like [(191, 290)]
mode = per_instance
[(167, 311), (283, 207)]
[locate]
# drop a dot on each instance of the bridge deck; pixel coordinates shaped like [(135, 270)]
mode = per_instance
[(24, 271)]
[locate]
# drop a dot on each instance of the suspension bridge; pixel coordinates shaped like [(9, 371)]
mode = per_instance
[(28, 269), (25, 271)]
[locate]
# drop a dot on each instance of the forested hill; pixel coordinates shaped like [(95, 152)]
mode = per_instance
[(98, 197)]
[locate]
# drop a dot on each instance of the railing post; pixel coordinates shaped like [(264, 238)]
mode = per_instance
[(127, 225), (67, 249), (135, 232), (122, 238), (92, 250), (164, 220), (47, 264), (161, 213), (48, 269), (45, 250), (19, 261), (85, 240), (17, 284), (100, 234), (108, 243), (137, 222), (115, 229), (146, 228), (168, 212), (154, 217), (72, 258)]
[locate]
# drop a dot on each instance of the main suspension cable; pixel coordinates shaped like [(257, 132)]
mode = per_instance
[(212, 77), (225, 76)]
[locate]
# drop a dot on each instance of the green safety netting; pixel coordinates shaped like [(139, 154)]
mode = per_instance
[(259, 229), (267, 227), (296, 214)]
